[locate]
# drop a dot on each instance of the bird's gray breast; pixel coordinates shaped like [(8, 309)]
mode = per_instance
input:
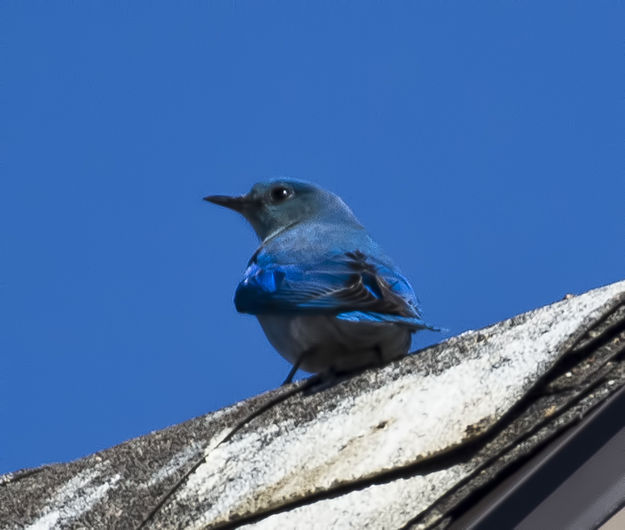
[(325, 342)]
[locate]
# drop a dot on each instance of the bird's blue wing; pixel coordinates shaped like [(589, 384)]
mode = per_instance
[(351, 285)]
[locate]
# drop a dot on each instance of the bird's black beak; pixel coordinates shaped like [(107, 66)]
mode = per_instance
[(234, 203)]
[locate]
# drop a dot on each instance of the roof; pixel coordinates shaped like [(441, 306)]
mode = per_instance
[(415, 444)]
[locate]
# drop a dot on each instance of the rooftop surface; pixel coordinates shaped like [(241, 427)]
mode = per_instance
[(412, 444)]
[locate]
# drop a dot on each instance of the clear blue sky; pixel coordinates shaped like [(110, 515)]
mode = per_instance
[(481, 143)]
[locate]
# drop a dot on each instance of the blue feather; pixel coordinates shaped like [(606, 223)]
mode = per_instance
[(351, 285), (381, 318)]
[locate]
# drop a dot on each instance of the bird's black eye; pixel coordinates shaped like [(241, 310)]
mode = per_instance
[(280, 194)]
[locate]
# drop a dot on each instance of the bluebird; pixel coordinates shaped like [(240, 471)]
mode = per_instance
[(326, 295)]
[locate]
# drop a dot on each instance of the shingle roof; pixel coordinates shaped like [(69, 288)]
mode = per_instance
[(411, 444)]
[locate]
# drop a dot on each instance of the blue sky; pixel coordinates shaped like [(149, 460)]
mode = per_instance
[(482, 144)]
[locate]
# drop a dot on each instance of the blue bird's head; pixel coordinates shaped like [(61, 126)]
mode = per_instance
[(276, 205)]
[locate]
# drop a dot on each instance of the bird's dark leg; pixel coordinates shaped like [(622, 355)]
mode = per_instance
[(296, 365), (289, 378)]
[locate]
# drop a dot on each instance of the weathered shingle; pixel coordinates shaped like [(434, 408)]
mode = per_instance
[(406, 445)]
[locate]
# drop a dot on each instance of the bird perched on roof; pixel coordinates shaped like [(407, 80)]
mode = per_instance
[(327, 296)]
